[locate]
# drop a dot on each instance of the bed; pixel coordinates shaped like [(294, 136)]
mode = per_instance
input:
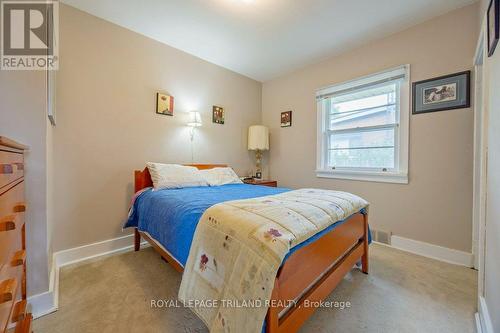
[(309, 272)]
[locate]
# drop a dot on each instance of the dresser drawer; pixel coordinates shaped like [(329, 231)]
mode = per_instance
[(23, 326), (10, 272), (11, 210), (12, 243), (11, 167)]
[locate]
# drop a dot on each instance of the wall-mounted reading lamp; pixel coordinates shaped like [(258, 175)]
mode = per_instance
[(193, 122)]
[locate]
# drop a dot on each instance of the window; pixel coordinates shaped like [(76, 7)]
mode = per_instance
[(363, 128)]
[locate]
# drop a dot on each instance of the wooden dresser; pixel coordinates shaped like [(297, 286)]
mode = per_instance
[(13, 314)]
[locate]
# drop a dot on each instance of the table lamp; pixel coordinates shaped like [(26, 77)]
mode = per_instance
[(258, 140)]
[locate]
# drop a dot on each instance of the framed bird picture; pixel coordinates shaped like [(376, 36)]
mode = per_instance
[(442, 93)]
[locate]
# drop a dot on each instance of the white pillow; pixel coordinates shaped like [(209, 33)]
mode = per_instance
[(220, 176), (174, 176)]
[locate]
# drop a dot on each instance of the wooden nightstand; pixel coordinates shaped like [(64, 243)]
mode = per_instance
[(255, 181)]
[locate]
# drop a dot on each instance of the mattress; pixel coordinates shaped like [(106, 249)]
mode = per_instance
[(170, 216)]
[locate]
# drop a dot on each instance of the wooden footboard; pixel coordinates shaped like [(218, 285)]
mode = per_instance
[(309, 275)]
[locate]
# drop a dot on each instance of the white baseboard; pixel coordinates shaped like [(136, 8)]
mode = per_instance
[(48, 302), (42, 304), (483, 319), (478, 323), (90, 251), (381, 244), (433, 251)]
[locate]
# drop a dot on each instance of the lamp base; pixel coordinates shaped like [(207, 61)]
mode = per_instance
[(258, 161)]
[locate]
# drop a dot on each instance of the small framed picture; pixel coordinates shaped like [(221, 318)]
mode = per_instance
[(493, 26), (286, 119), (164, 104), (218, 115), (442, 93)]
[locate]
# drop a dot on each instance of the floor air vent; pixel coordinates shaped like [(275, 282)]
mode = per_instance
[(382, 236)]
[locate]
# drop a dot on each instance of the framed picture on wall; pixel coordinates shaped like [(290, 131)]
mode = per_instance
[(442, 93), (218, 116), (164, 104), (493, 26), (286, 119)]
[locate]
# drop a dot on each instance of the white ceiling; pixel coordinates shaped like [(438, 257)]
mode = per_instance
[(263, 39)]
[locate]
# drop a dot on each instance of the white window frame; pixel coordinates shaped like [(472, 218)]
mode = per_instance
[(400, 172)]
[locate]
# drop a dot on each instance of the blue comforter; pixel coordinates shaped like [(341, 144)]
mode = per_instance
[(171, 216)]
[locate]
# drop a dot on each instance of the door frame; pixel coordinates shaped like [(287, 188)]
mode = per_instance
[(480, 161)]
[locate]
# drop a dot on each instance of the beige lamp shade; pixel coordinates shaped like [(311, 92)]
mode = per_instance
[(258, 138), (194, 119)]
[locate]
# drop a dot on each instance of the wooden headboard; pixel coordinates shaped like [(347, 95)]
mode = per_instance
[(143, 178)]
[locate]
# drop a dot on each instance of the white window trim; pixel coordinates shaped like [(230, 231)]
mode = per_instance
[(401, 176)]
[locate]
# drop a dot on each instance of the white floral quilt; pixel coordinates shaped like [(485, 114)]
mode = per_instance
[(238, 248)]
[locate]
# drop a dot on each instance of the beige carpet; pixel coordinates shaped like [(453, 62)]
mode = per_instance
[(403, 293)]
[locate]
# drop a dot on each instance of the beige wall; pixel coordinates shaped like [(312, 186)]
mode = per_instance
[(23, 118), (483, 6), (492, 246), (436, 206), (107, 126)]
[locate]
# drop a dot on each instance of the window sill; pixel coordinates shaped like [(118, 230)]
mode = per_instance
[(381, 177)]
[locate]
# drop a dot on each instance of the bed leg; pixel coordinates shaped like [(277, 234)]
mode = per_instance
[(272, 320), (137, 240), (364, 258)]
